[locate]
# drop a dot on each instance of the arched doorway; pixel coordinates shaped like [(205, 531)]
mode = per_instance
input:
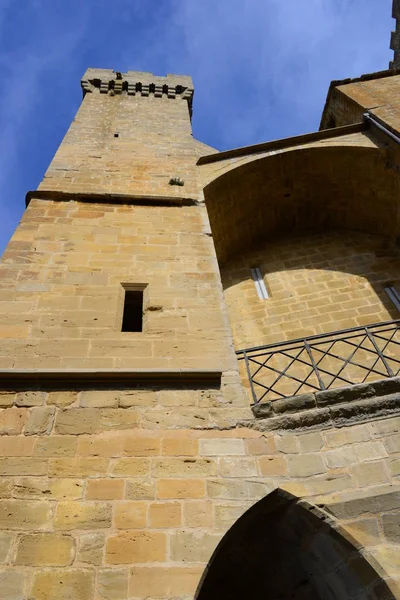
[(282, 550)]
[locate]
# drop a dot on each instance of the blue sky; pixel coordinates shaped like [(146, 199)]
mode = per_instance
[(261, 68)]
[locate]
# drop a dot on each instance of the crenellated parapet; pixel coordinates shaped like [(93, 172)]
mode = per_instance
[(138, 83), (395, 39)]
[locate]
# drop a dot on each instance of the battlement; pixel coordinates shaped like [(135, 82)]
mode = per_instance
[(139, 83), (395, 39)]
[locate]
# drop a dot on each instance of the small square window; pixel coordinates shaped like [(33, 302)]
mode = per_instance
[(132, 319)]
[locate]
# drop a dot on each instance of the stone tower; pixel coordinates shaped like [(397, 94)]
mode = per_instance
[(199, 357)]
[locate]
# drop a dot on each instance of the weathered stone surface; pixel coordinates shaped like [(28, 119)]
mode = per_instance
[(349, 435), (23, 466), (370, 473), (294, 404), (305, 465), (345, 394), (94, 420), (304, 420), (113, 584), (180, 488), (271, 466), (130, 467), (391, 527), (5, 544), (82, 515), (12, 420), (46, 549), (193, 547), (340, 457), (30, 399), (373, 504), (140, 489), (237, 467), (91, 548), (105, 489), (62, 399), (136, 547), (311, 442), (262, 445), (228, 513), (365, 531), (288, 444), (12, 584), (392, 443), (16, 446), (184, 467), (227, 489), (198, 513), (370, 451), (40, 420), (388, 557), (98, 399), (66, 584), (165, 515), (23, 515), (129, 515), (78, 467), (56, 446), (60, 489), (138, 398), (221, 447), (180, 447), (157, 581), (7, 399), (262, 410), (363, 410), (142, 446)]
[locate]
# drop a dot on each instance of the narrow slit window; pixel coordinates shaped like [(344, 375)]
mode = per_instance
[(132, 319), (258, 279), (393, 295)]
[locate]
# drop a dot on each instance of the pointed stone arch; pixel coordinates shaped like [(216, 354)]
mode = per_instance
[(283, 548), (312, 189)]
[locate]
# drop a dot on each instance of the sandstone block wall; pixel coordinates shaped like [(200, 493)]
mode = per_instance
[(61, 296), (110, 503), (317, 284), (348, 100), (123, 490)]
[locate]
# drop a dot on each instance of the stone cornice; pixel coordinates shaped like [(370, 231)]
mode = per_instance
[(137, 83), (298, 140), (106, 197), (18, 377)]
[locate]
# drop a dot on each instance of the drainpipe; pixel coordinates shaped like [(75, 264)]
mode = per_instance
[(368, 118)]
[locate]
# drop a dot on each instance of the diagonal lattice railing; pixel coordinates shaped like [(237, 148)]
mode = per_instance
[(321, 362)]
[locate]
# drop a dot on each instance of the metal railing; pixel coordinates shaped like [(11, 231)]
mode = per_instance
[(321, 362)]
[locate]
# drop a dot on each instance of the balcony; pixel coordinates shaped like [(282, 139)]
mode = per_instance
[(322, 362)]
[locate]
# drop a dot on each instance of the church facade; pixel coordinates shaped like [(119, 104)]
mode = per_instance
[(200, 356)]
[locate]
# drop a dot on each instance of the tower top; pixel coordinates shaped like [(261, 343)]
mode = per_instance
[(395, 40), (138, 83)]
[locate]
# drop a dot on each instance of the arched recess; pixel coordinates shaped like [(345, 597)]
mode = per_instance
[(306, 190), (281, 549)]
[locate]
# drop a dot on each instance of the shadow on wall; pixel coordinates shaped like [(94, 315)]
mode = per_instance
[(317, 283), (305, 190), (281, 550)]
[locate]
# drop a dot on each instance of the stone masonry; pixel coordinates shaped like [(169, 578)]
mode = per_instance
[(132, 465)]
